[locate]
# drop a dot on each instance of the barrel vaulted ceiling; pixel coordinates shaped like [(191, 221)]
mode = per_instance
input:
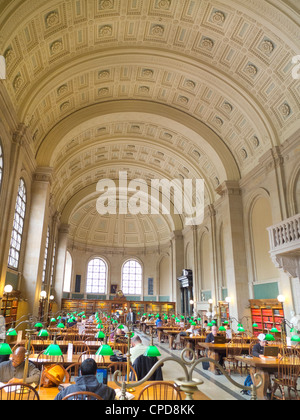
[(161, 88)]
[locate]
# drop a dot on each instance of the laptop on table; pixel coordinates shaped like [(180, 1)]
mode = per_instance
[(271, 351)]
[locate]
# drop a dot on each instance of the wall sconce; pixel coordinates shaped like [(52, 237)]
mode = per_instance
[(281, 298), (43, 295), (8, 289)]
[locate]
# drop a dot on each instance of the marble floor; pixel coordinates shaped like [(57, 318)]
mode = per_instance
[(214, 387)]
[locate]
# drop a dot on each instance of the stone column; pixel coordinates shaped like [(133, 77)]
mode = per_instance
[(234, 240), (62, 243), (36, 238), (177, 246)]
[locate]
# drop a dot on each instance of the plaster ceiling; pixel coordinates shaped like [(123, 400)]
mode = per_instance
[(162, 88)]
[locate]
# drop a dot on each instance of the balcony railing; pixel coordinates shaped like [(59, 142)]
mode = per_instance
[(285, 236)]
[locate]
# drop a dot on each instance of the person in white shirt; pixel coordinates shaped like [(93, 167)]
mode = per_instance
[(137, 349)]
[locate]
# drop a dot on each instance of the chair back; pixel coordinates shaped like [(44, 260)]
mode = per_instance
[(160, 391), (289, 370), (45, 359), (18, 391), (121, 367), (82, 396)]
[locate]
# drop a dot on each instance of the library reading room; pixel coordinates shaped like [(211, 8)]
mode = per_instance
[(150, 202)]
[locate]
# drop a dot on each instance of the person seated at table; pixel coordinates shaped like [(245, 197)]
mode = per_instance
[(192, 330), (228, 332), (88, 382), (137, 348), (258, 349), (12, 371), (159, 322), (210, 338)]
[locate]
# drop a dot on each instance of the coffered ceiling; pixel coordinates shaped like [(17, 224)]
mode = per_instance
[(167, 88)]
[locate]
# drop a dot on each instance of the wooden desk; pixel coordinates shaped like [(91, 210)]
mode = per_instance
[(163, 331), (265, 368), (100, 360), (50, 393), (214, 351), (171, 337)]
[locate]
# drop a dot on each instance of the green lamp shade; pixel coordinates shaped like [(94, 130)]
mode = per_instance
[(11, 332), (255, 325), (40, 325), (295, 338), (60, 325), (274, 330), (105, 350), (121, 327), (100, 334), (152, 351), (43, 333), (226, 322), (53, 350), (210, 324), (269, 337), (222, 329), (5, 349)]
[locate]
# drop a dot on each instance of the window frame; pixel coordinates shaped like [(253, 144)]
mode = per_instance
[(135, 290), (20, 232), (89, 288)]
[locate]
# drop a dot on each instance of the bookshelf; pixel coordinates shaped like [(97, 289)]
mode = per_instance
[(9, 308), (122, 304), (266, 313)]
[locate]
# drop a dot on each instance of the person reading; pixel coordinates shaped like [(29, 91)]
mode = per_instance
[(12, 371), (88, 382)]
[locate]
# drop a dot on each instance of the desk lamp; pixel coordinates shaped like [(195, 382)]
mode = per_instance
[(105, 349), (152, 351), (53, 349), (5, 349)]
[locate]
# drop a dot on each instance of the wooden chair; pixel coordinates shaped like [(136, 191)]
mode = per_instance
[(79, 348), (88, 354), (18, 391), (44, 359), (160, 391), (82, 396), (232, 350), (287, 378), (73, 370), (32, 350), (122, 367)]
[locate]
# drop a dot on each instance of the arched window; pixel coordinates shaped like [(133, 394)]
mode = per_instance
[(68, 273), (18, 226), (1, 164), (96, 276), (132, 278)]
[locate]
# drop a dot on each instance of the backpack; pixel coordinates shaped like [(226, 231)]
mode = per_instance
[(248, 382)]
